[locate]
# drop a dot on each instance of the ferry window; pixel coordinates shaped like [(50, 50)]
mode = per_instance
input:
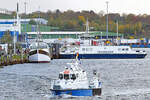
[(66, 76), (83, 49), (127, 49), (91, 49), (60, 76), (87, 49), (73, 76)]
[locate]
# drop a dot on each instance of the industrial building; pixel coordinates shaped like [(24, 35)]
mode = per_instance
[(75, 35), (12, 26)]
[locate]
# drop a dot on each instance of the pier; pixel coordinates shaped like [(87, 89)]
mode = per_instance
[(10, 59)]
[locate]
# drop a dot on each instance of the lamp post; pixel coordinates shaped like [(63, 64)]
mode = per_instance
[(26, 36), (14, 35), (107, 21)]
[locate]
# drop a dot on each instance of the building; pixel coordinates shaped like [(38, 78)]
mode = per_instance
[(9, 25), (25, 21), (5, 11), (75, 35), (12, 26)]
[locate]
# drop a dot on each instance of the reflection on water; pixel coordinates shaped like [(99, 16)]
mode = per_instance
[(122, 79)]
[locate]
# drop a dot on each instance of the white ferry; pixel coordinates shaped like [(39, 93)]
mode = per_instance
[(73, 81), (101, 52), (39, 53)]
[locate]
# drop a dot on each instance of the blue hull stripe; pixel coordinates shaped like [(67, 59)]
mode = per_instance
[(83, 92), (102, 56)]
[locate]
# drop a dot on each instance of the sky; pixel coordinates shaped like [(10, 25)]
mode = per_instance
[(114, 6)]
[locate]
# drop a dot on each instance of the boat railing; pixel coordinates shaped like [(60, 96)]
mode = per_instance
[(141, 51), (52, 83)]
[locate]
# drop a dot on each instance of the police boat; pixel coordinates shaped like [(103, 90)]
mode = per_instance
[(73, 81)]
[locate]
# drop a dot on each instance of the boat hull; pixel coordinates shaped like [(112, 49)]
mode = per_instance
[(78, 92), (103, 56), (39, 58)]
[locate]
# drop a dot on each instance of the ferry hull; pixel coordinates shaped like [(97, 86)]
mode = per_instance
[(78, 92), (103, 56)]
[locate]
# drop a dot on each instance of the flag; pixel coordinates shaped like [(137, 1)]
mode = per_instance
[(77, 56)]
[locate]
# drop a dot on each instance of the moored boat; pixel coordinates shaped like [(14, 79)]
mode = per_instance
[(39, 53), (101, 52)]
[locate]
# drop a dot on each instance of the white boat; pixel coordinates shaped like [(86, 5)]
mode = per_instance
[(39, 50), (101, 52), (39, 53), (74, 81)]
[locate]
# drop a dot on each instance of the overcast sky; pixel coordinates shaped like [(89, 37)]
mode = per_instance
[(115, 6)]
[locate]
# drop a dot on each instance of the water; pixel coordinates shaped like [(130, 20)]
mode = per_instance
[(122, 79)]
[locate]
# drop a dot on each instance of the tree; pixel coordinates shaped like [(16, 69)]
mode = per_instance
[(32, 22), (7, 38), (82, 19)]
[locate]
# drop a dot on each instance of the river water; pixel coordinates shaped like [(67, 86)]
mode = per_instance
[(122, 79)]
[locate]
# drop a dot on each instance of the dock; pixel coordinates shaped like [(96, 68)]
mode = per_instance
[(6, 60)]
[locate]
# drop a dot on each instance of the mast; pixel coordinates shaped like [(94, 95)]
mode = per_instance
[(87, 29), (38, 28)]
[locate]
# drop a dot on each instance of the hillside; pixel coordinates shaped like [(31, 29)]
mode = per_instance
[(129, 24)]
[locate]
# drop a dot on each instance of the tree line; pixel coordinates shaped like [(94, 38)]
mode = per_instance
[(128, 24)]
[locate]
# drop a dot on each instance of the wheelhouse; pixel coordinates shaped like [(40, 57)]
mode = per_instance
[(67, 76)]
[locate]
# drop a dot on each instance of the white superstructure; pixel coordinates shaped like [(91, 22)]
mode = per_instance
[(74, 77), (99, 50)]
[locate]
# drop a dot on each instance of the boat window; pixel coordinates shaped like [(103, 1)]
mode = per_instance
[(73, 76), (127, 49), (42, 46), (83, 49), (66, 76), (91, 49), (88, 49), (33, 47), (76, 75), (60, 76)]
